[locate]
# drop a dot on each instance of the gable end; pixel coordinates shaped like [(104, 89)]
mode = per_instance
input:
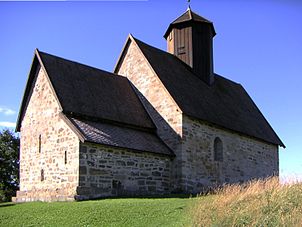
[(36, 65)]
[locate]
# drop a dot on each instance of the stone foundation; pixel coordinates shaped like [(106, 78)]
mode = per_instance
[(45, 195)]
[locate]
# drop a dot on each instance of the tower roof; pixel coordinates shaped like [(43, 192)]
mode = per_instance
[(189, 16)]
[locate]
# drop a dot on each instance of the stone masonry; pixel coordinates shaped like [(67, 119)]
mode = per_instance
[(192, 140), (106, 171), (90, 171), (244, 158), (45, 138)]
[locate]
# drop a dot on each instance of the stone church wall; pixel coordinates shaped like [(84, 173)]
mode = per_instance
[(159, 104), (45, 138), (108, 171), (244, 158)]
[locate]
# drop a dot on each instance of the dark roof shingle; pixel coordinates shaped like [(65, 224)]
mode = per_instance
[(225, 103), (113, 135), (109, 109), (91, 92)]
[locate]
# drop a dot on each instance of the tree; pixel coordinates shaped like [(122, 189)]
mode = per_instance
[(9, 164)]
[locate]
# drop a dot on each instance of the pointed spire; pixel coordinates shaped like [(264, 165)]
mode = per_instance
[(189, 7), (190, 12)]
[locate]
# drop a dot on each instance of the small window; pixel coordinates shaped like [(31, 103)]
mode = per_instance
[(42, 175), (181, 50), (218, 150), (39, 143), (65, 157)]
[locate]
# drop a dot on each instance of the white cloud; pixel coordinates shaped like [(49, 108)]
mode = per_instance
[(7, 111), (7, 124)]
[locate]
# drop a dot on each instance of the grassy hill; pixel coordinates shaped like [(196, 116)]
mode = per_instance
[(257, 203)]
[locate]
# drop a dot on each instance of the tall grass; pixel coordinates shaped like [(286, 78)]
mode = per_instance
[(256, 203)]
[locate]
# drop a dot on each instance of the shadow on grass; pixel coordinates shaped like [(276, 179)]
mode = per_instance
[(6, 204), (168, 196)]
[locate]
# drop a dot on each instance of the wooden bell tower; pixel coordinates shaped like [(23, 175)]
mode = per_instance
[(190, 38)]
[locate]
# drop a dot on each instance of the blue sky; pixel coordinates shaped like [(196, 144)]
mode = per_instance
[(258, 44)]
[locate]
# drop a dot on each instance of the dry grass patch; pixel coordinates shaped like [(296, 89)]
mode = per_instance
[(256, 203)]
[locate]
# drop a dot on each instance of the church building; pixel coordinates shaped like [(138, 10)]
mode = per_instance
[(163, 122)]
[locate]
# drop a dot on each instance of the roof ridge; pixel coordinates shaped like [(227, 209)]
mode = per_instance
[(203, 18), (179, 17), (78, 63), (136, 39)]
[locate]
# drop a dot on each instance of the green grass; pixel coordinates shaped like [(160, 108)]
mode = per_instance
[(107, 212), (257, 203)]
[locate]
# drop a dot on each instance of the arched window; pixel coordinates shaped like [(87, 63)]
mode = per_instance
[(218, 150)]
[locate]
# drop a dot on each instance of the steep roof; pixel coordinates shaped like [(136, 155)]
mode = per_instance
[(116, 136), (189, 16), (225, 103), (86, 91), (99, 106)]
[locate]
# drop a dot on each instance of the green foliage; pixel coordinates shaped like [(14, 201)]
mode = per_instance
[(109, 212), (9, 164)]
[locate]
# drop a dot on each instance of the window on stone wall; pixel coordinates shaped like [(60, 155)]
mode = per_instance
[(42, 175), (39, 144), (65, 157), (218, 150)]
